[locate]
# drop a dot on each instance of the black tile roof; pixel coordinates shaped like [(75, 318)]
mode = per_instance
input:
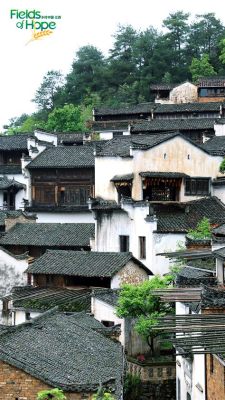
[(42, 299), (220, 230), (188, 107), (109, 296), (189, 276), (132, 109), (211, 82), (70, 137), (109, 126), (14, 142), (82, 263), (6, 183), (66, 351), (120, 146), (100, 204), (164, 86), (219, 252), (150, 174), (212, 296), (162, 125), (64, 157), (122, 178), (215, 146), (14, 214), (180, 217), (10, 169), (52, 235)]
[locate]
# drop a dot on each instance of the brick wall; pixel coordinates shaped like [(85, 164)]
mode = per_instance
[(18, 385), (215, 378), (10, 222)]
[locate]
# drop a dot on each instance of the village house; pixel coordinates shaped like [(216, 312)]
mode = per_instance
[(23, 303), (79, 269), (37, 238), (150, 207), (207, 89), (143, 118), (79, 357)]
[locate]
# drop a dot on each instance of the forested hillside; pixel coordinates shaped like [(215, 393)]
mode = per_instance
[(183, 49)]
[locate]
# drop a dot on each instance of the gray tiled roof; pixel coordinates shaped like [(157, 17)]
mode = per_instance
[(41, 299), (64, 157), (6, 183), (215, 146), (189, 276), (135, 109), (13, 214), (220, 230), (109, 126), (180, 217), (162, 125), (14, 142), (219, 252), (65, 351), (70, 137), (164, 86), (153, 174), (44, 234), (211, 82), (81, 263), (10, 169), (120, 146), (188, 107), (122, 178), (109, 296)]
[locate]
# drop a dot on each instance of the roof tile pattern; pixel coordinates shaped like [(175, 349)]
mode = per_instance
[(215, 146), (81, 263), (44, 234), (64, 157), (180, 217), (78, 356), (162, 125)]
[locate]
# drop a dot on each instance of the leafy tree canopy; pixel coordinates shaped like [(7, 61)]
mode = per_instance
[(137, 301), (202, 231), (201, 68)]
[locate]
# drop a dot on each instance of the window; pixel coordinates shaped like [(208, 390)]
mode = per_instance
[(188, 396), (27, 316), (124, 243), (197, 186), (108, 324), (142, 247)]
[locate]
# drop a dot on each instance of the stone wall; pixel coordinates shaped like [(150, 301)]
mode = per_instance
[(215, 378), (158, 380), (18, 385)]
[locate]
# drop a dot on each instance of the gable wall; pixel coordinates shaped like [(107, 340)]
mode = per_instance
[(17, 384), (177, 150), (131, 273)]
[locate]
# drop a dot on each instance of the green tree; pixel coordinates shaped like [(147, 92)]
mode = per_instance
[(102, 394), (87, 75), (53, 394), (46, 95), (69, 118), (203, 230), (205, 34), (201, 68), (137, 301)]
